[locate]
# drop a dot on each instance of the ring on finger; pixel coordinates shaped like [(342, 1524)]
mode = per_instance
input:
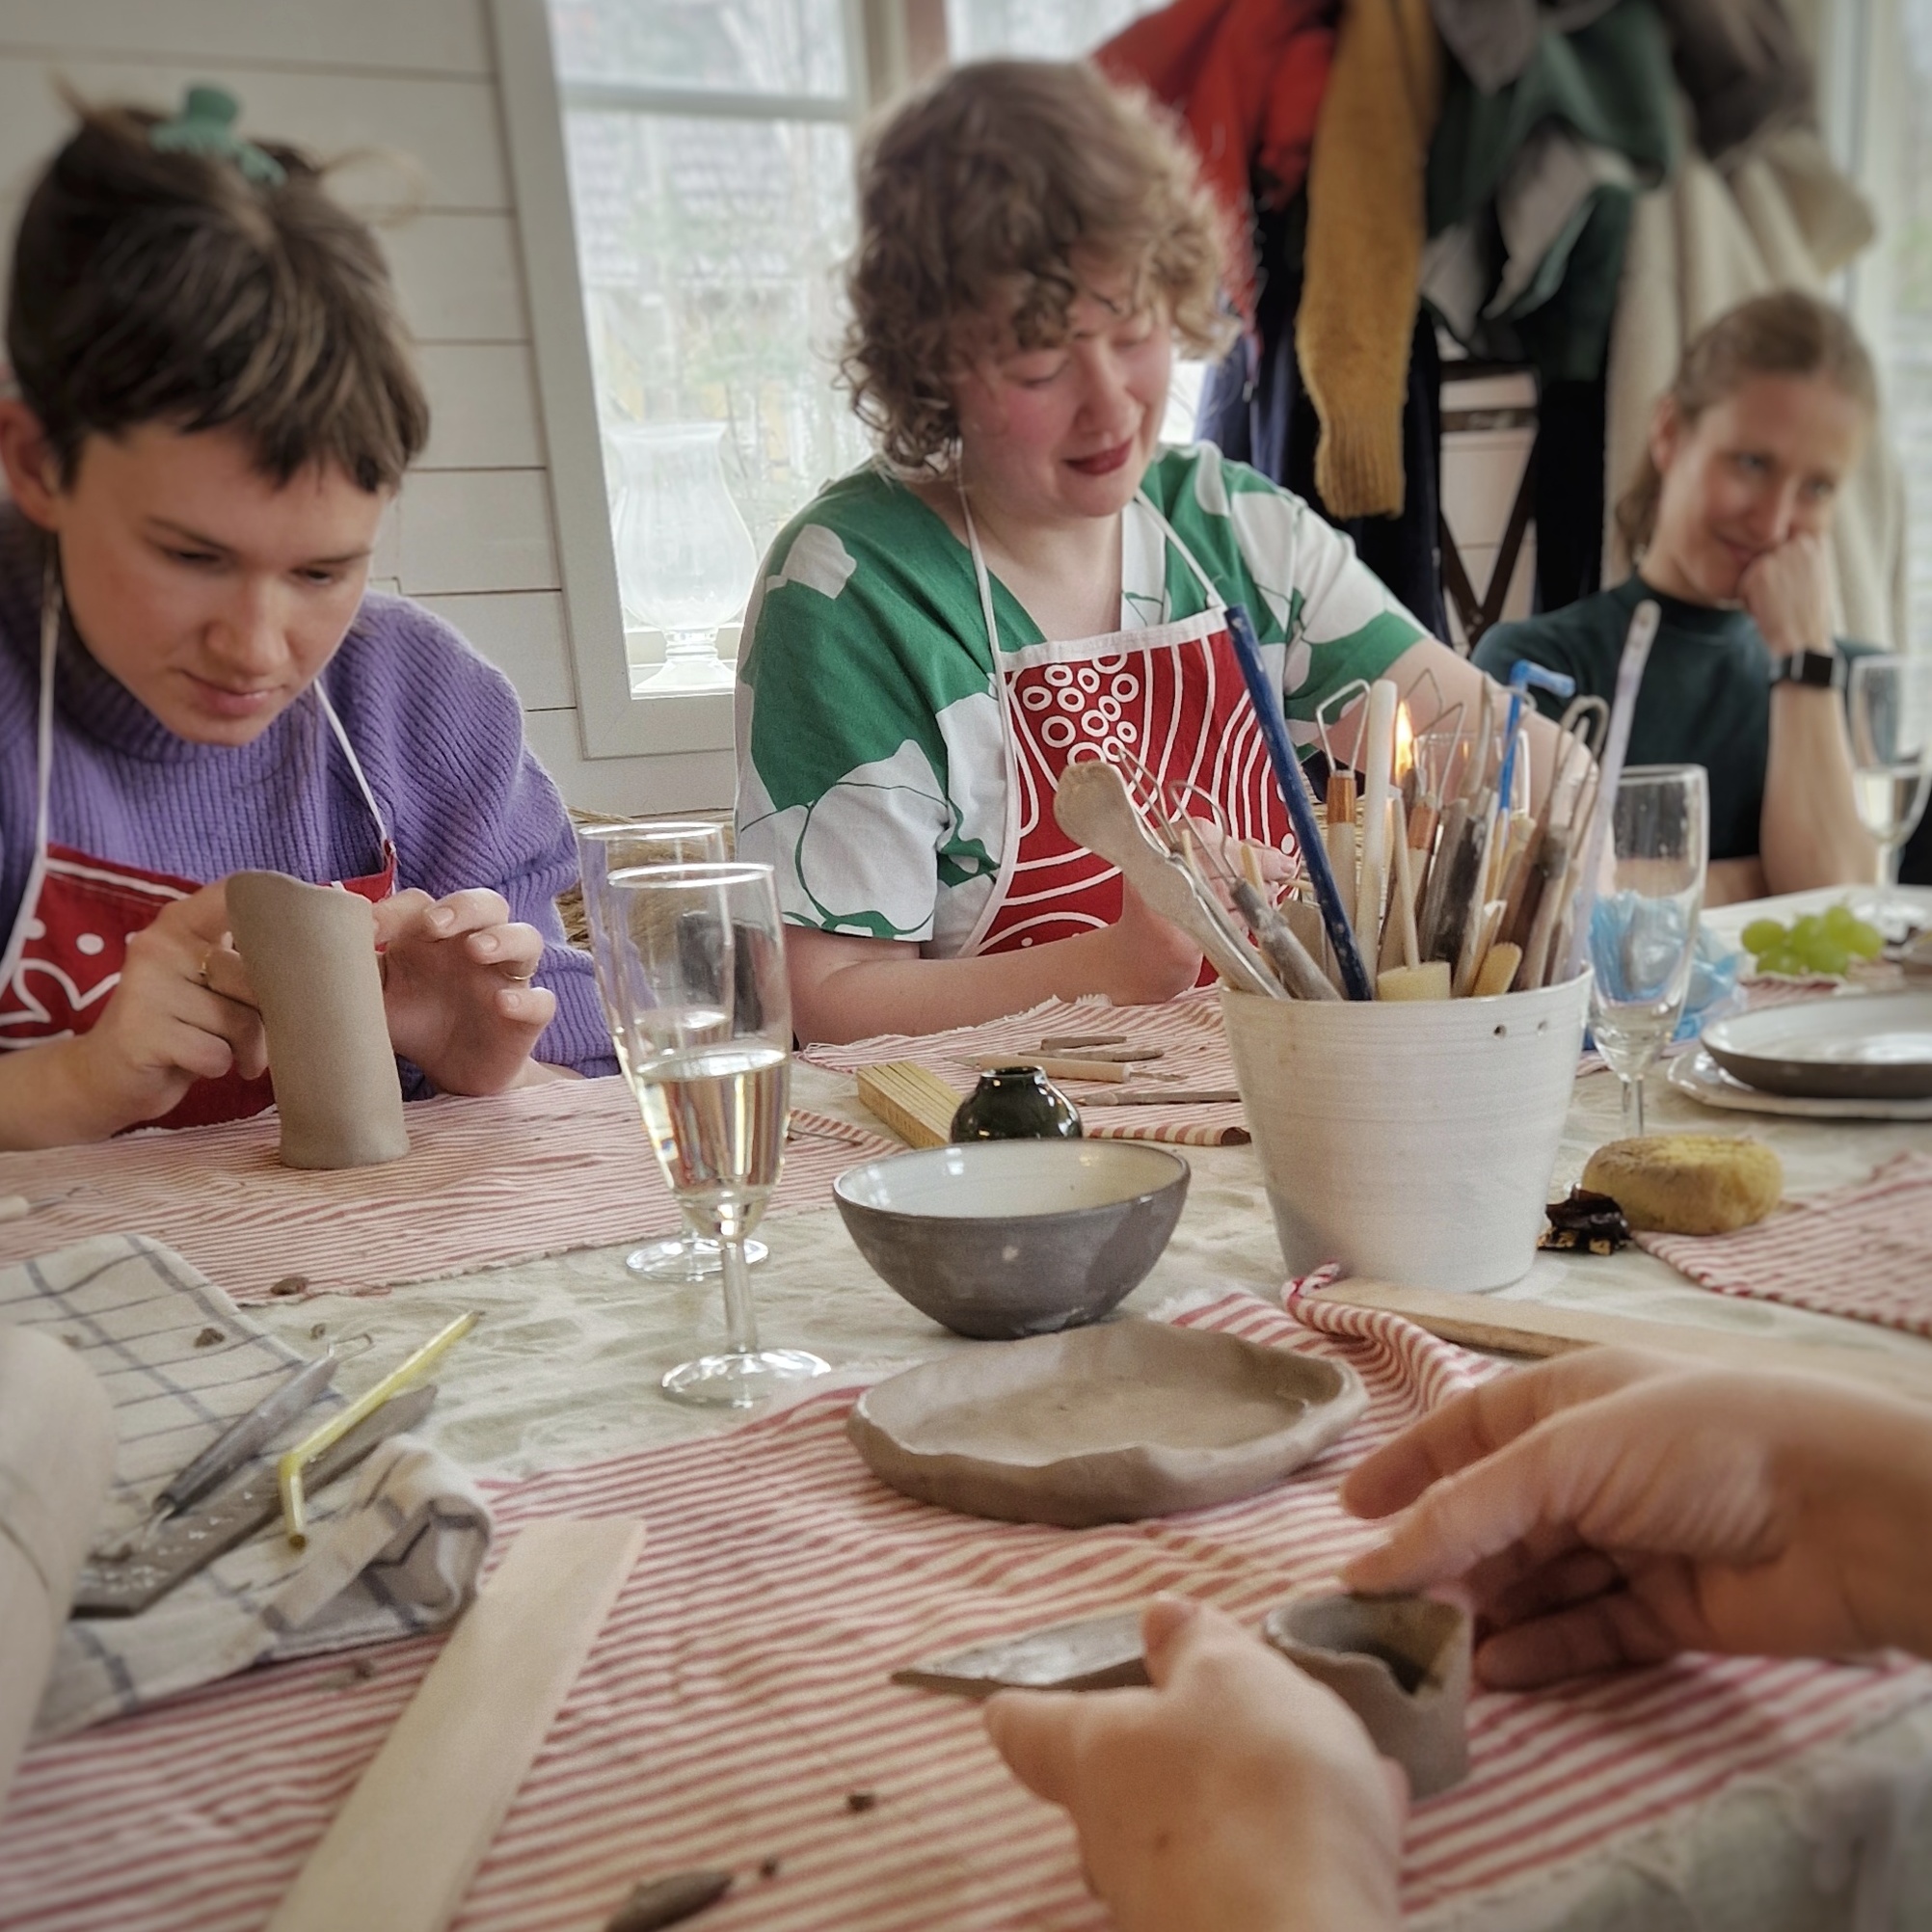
[(201, 971)]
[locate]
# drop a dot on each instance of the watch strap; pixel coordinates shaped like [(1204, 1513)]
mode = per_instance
[(1817, 670)]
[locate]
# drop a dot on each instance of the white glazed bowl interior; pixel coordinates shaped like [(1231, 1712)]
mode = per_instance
[(1005, 1179)]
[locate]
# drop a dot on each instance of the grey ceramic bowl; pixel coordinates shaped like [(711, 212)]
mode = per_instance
[(998, 1239)]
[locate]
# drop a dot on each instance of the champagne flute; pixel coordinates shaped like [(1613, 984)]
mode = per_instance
[(1890, 712), (617, 846), (696, 954), (1643, 927)]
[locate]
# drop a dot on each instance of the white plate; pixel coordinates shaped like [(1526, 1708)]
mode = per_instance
[(1699, 1076), (1876, 1046)]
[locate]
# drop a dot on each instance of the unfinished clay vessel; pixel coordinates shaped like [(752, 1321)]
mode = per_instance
[(310, 953), (1399, 1663)]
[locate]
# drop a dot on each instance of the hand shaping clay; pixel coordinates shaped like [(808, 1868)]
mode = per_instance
[(1399, 1663), (56, 1454), (311, 952)]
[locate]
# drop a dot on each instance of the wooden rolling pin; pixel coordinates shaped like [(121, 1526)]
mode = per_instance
[(1538, 1329)]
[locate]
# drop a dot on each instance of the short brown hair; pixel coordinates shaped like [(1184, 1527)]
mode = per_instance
[(1785, 333), (977, 198), (167, 287)]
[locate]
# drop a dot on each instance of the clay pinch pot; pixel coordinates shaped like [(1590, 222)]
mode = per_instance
[(1399, 1663), (998, 1238)]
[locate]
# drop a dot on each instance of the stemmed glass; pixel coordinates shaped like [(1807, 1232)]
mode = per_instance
[(1889, 712), (1643, 927), (618, 845), (696, 956)]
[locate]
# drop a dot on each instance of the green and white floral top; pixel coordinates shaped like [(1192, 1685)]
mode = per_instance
[(871, 760)]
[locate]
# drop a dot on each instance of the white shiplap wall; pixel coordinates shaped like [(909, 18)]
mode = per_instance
[(471, 534)]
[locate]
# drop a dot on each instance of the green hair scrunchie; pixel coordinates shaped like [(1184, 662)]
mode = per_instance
[(206, 125)]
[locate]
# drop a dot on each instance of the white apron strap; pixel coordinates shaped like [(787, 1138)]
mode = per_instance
[(355, 765), (1009, 842), (51, 609)]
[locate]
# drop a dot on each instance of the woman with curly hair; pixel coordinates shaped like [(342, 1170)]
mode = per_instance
[(1024, 576)]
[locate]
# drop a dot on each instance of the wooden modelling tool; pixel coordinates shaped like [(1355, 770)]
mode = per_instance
[(401, 1852), (1058, 1066)]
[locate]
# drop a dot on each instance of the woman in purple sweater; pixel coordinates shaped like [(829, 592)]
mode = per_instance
[(215, 403)]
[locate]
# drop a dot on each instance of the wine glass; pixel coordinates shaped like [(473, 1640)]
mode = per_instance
[(613, 846), (696, 959), (1889, 712), (1643, 927)]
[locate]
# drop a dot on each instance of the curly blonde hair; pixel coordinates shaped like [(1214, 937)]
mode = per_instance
[(987, 203)]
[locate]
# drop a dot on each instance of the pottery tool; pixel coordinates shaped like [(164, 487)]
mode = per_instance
[(1054, 1066), (1074, 1042), (1092, 807), (1378, 794), (1294, 790), (1545, 1329), (187, 1543), (1433, 980), (288, 1469), (1293, 963), (1524, 678), (236, 1445), (911, 1099), (1497, 972), (1095, 1654), (1123, 1050), (402, 1850), (1167, 1097), (660, 1903), (1637, 642), (1405, 892), (57, 1439)]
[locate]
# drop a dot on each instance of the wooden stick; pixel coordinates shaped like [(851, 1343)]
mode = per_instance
[(1055, 1066), (1379, 732), (1538, 1329), (403, 1849), (1067, 1042), (1164, 1096)]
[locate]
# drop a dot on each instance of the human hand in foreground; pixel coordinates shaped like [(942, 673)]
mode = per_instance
[(1236, 1795), (456, 986), (1611, 1507), (1787, 592), (183, 1012)]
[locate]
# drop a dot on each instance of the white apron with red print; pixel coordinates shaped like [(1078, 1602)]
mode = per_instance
[(65, 955), (1166, 703)]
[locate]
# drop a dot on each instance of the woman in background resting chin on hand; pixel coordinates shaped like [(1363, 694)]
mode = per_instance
[(216, 404), (1603, 1510)]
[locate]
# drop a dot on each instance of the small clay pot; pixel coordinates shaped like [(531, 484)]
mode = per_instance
[(1015, 1103), (1399, 1663)]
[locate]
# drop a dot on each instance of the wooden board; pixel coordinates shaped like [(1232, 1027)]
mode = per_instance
[(1540, 1329), (403, 1849)]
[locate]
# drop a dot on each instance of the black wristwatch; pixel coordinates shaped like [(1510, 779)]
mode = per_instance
[(1820, 670)]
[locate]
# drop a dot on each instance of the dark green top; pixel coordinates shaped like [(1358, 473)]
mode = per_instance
[(1705, 698)]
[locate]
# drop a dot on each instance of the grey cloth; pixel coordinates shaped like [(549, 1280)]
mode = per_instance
[(1494, 39), (393, 1548)]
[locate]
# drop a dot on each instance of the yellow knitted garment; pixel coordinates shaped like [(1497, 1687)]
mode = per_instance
[(1364, 246)]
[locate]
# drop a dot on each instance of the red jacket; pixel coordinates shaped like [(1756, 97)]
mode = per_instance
[(1246, 76)]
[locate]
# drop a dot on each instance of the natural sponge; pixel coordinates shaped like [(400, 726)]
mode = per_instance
[(1688, 1183)]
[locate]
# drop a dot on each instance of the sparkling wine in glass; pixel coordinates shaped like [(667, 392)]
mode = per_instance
[(1888, 708), (1643, 927), (620, 845), (696, 954)]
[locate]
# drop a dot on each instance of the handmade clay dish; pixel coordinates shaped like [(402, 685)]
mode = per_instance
[(1871, 1047), (1399, 1663), (1103, 1425), (1699, 1076), (996, 1239)]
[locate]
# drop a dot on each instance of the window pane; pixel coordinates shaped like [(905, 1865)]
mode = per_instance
[(1047, 30), (735, 46), (1910, 388), (710, 250)]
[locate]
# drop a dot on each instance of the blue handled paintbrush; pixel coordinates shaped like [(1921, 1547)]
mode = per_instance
[(1295, 794)]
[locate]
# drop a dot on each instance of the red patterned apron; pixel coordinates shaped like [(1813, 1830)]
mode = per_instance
[(65, 955), (1166, 704)]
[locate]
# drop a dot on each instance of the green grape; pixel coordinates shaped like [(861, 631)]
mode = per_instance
[(1762, 936), (1840, 921), (1824, 955), (1867, 942), (1781, 959), (1804, 930)]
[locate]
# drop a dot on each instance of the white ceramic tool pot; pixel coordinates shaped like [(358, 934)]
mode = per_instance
[(1413, 1142)]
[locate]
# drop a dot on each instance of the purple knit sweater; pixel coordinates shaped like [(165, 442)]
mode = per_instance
[(438, 732)]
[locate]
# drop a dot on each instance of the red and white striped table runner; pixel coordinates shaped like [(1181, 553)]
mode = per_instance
[(1188, 1031), (537, 1170), (1863, 1250), (740, 1696)]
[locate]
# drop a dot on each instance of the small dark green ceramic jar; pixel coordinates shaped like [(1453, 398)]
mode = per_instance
[(1016, 1102)]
